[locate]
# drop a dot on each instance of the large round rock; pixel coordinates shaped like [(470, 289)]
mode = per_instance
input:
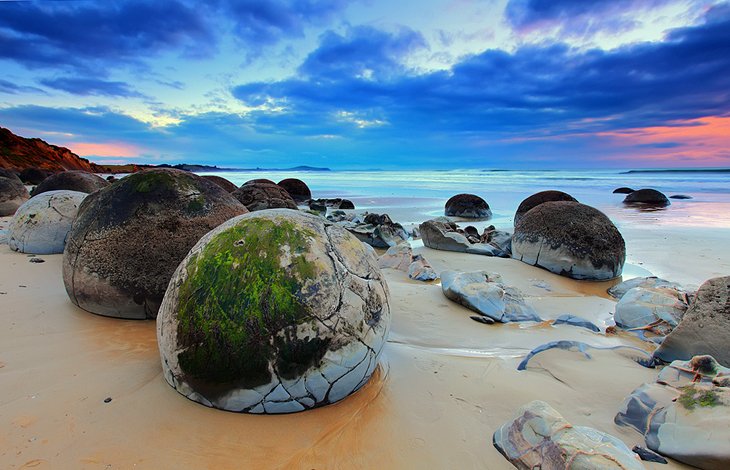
[(73, 181), (12, 195), (570, 239), (34, 175), (469, 206), (275, 311), (128, 239), (222, 182), (539, 198), (42, 223), (259, 194), (650, 197), (297, 189)]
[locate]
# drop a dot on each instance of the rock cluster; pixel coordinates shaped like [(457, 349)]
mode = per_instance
[(273, 312), (377, 230), (570, 239), (401, 257), (336, 203), (129, 238), (80, 181), (442, 234)]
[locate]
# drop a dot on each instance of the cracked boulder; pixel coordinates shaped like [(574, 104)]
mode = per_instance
[(80, 181), (129, 238), (42, 223), (485, 293), (273, 312), (421, 270), (297, 189), (704, 328), (442, 234), (642, 306), (570, 239), (469, 206), (651, 282), (378, 231), (540, 198), (261, 194), (539, 437), (12, 195)]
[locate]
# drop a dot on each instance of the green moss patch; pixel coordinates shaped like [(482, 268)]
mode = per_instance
[(237, 296), (693, 397)]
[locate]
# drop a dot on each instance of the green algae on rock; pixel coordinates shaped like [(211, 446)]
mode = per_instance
[(273, 312)]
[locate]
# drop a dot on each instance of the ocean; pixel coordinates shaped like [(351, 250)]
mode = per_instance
[(412, 196)]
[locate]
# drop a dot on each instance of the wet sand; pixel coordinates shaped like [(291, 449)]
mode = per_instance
[(444, 385)]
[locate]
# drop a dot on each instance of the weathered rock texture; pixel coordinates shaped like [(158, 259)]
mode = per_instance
[(469, 206), (570, 239), (441, 234), (273, 312), (42, 223), (705, 328), (539, 198), (297, 189), (80, 181), (261, 194), (377, 230), (540, 438), (643, 306), (651, 282), (129, 238), (12, 195)]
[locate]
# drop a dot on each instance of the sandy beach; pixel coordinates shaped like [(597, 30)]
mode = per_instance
[(445, 382)]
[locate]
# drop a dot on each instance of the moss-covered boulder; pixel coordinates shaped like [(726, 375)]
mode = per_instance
[(222, 182), (128, 239), (261, 194), (12, 195), (539, 198), (297, 189), (80, 181), (42, 223), (273, 312), (570, 239)]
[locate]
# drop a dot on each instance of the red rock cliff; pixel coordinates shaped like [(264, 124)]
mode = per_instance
[(18, 153)]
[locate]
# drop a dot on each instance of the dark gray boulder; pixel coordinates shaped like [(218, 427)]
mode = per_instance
[(297, 189), (570, 239), (540, 198), (705, 327), (129, 238), (469, 206), (222, 182), (8, 174), (650, 197), (12, 195), (34, 175), (623, 190), (80, 181), (258, 195)]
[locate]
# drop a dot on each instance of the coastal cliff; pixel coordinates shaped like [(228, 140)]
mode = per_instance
[(18, 153)]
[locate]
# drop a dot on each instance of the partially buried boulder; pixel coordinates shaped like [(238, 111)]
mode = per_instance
[(540, 198), (222, 182), (258, 195), (80, 181), (273, 312), (649, 197), (297, 189), (12, 195), (623, 190), (570, 239), (651, 282), (539, 437), (42, 223), (469, 206), (705, 328), (128, 239)]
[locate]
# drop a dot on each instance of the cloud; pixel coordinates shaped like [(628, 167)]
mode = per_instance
[(13, 88), (92, 87)]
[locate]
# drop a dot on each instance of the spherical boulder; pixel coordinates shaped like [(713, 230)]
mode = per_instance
[(222, 182), (623, 190), (570, 239), (34, 175), (297, 189), (539, 198), (42, 223), (650, 197), (128, 239), (273, 312), (258, 195), (5, 173), (81, 181), (12, 195), (469, 206)]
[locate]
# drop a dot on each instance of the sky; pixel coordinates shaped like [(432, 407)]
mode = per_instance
[(366, 84)]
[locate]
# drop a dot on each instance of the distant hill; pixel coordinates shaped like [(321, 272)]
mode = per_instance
[(19, 153)]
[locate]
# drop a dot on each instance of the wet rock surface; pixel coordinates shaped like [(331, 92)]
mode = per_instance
[(80, 181), (705, 327), (42, 223), (335, 203), (273, 312), (650, 197), (468, 206), (129, 238), (539, 437), (651, 282), (261, 194), (12, 195), (570, 239), (486, 294), (442, 234), (642, 306), (377, 230)]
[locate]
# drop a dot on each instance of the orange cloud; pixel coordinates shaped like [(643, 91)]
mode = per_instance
[(109, 149)]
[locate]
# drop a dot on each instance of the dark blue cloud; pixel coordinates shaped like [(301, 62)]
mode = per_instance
[(13, 88), (92, 87)]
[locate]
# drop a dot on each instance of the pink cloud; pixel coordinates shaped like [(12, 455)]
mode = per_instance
[(108, 149)]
